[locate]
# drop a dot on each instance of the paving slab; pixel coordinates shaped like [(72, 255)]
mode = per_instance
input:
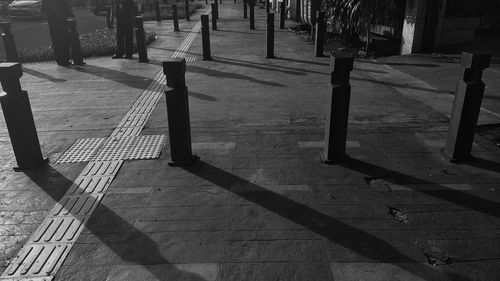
[(258, 205)]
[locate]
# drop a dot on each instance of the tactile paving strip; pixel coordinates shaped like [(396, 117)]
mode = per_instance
[(188, 41), (124, 148), (81, 151), (130, 148), (46, 250)]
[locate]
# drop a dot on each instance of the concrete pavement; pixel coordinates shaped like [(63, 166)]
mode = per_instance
[(259, 205)]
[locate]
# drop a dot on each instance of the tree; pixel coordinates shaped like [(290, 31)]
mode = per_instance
[(357, 17)]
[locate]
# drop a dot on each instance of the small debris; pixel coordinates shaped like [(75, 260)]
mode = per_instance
[(437, 261), (400, 215), (378, 184)]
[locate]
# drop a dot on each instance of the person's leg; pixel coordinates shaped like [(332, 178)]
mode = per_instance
[(54, 31), (120, 37), (129, 40)]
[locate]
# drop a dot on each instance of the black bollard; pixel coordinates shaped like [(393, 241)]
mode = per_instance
[(270, 36), (205, 37), (252, 14), (179, 128), (140, 36), (338, 111), (19, 118), (234, 1), (320, 34), (220, 1), (214, 20), (206, 2), (9, 42), (74, 38), (268, 8), (216, 9), (282, 14), (157, 10), (245, 3), (175, 16), (466, 107), (109, 20), (186, 9)]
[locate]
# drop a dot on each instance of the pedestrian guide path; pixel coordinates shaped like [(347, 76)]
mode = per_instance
[(259, 205)]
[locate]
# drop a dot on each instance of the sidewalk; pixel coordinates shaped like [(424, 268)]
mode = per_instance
[(259, 205)]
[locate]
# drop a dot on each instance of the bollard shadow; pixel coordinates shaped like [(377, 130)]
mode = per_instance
[(42, 75), (461, 198), (255, 66), (366, 245), (201, 96), (135, 246), (484, 164), (402, 63), (397, 85), (327, 64), (221, 74), (278, 68), (133, 81)]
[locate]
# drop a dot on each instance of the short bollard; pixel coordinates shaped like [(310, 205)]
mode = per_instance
[(140, 36), (320, 34), (205, 37), (270, 36), (186, 9), (109, 20), (175, 16), (245, 13), (9, 42), (19, 118), (214, 19), (74, 38), (179, 128), (338, 110), (251, 3), (466, 107), (157, 11), (282, 14)]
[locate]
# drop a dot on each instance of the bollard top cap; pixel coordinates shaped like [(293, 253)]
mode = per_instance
[(478, 61), (10, 70), (341, 62), (175, 70)]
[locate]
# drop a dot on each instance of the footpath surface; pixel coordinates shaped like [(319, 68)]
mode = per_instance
[(258, 205)]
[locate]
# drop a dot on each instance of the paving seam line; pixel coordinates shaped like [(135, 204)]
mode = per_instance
[(429, 87), (44, 253)]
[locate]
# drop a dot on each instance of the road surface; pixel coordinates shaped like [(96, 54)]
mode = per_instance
[(35, 32)]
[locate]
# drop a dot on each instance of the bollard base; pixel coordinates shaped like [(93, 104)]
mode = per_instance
[(337, 160), (189, 162), (31, 166), (270, 57), (454, 160)]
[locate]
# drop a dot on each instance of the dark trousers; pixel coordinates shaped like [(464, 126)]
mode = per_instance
[(59, 35), (124, 38)]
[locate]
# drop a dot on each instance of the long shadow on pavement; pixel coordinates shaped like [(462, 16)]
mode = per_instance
[(221, 74), (133, 81), (42, 75), (367, 245), (137, 248), (442, 192)]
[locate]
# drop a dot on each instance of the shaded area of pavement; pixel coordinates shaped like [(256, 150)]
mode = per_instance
[(259, 205)]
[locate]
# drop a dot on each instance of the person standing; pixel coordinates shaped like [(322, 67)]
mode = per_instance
[(125, 12), (57, 12)]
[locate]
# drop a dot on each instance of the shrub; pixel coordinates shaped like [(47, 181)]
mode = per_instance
[(101, 42), (166, 12)]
